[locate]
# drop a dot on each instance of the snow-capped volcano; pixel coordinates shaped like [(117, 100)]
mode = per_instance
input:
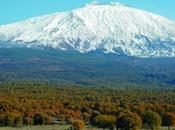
[(114, 28)]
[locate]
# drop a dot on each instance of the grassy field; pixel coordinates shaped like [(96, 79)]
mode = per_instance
[(47, 127), (59, 127)]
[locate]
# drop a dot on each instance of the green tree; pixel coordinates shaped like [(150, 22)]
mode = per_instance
[(2, 119), (18, 121), (151, 120), (10, 118), (129, 121), (42, 118), (86, 116), (13, 119), (105, 121), (168, 119)]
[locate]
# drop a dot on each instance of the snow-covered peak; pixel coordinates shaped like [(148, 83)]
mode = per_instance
[(96, 3), (112, 28), (117, 4)]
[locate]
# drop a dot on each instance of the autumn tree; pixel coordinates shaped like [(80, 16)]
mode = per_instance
[(168, 119), (129, 121), (138, 110), (78, 125)]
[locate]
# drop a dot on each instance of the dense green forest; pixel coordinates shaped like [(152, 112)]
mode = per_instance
[(104, 107), (90, 69)]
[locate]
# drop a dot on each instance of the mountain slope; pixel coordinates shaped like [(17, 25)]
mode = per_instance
[(89, 69), (111, 28)]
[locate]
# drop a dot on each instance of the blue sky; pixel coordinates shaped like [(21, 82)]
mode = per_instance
[(16, 10)]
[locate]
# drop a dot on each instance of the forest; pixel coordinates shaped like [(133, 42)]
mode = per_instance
[(26, 104), (91, 69)]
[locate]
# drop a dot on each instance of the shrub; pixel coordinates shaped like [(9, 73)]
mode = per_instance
[(78, 125)]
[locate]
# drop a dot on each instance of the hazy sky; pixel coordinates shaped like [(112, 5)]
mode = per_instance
[(16, 10)]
